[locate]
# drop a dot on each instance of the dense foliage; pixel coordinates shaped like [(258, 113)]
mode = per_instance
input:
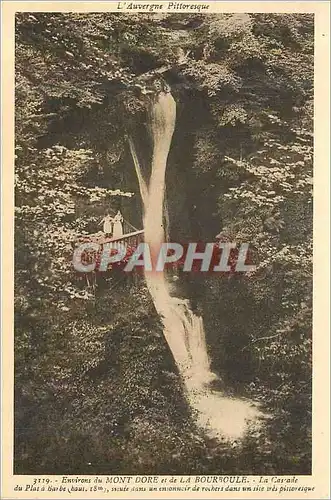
[(96, 387)]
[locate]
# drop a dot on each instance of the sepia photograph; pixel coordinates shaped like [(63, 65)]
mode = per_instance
[(163, 243)]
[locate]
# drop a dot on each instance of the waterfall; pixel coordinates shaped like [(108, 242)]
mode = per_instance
[(219, 415)]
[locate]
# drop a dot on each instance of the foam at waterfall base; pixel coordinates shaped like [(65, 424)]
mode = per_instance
[(222, 416)]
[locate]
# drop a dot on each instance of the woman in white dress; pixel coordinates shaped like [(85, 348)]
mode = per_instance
[(117, 225), (107, 224)]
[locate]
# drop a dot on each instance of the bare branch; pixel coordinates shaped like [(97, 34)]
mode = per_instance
[(263, 338), (267, 338)]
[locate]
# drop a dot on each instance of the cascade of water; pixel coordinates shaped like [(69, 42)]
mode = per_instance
[(183, 330)]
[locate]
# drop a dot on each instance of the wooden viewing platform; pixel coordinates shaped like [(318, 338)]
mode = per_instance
[(131, 235), (130, 239)]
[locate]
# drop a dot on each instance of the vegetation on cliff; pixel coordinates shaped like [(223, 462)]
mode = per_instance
[(96, 387)]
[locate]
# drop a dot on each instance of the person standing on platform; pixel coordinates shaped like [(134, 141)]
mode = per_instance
[(107, 222), (117, 225)]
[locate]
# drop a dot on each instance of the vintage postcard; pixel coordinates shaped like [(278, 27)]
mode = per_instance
[(165, 249)]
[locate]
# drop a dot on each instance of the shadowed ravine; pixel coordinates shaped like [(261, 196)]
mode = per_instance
[(219, 415)]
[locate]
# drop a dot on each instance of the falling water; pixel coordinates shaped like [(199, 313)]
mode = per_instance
[(219, 415)]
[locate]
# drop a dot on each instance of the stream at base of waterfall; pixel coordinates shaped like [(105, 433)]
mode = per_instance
[(219, 415)]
